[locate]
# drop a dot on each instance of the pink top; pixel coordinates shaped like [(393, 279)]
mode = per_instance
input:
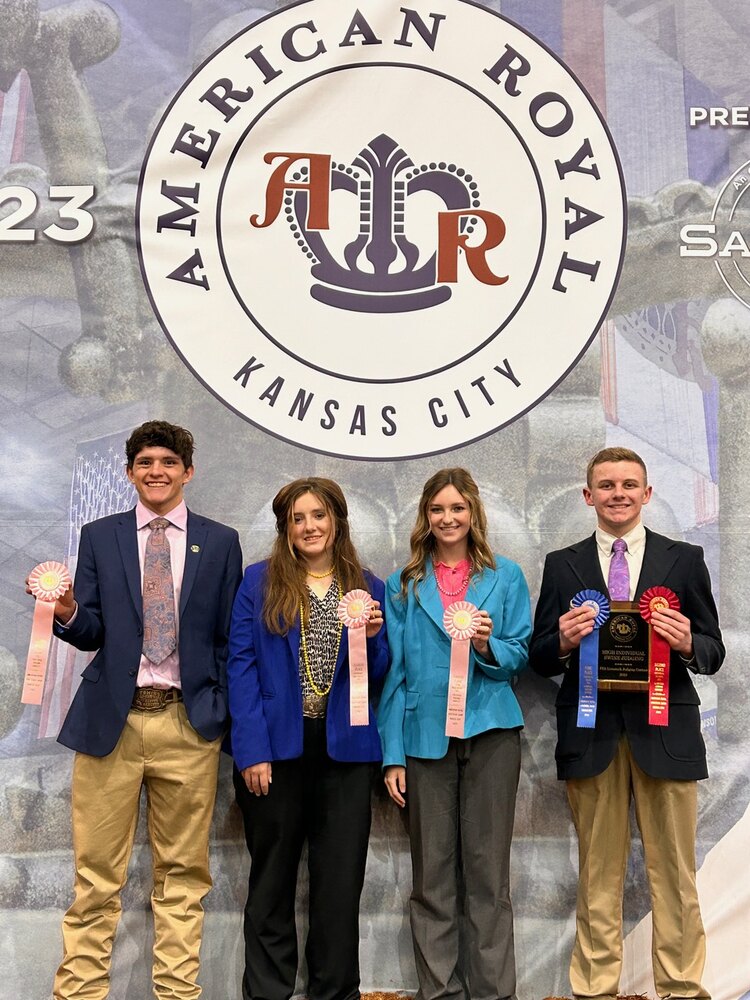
[(452, 581), (167, 673)]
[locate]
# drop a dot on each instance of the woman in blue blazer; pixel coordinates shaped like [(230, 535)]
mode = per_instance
[(460, 792), (302, 770)]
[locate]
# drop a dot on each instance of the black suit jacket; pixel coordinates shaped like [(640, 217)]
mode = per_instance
[(110, 620), (674, 751)]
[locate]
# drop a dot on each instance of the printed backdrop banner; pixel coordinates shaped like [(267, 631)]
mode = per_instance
[(366, 241)]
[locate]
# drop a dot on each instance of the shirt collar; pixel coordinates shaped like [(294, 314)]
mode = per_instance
[(635, 538), (177, 516), (460, 567)]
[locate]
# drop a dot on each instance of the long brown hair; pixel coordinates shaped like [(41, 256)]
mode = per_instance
[(285, 586), (423, 542)]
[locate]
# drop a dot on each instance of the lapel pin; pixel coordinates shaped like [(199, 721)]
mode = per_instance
[(195, 548)]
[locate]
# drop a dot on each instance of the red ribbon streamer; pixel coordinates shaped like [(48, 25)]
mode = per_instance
[(659, 652)]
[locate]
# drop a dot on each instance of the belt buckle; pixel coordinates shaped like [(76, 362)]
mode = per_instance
[(150, 699)]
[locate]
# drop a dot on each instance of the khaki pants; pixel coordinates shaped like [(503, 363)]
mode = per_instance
[(161, 751), (666, 812)]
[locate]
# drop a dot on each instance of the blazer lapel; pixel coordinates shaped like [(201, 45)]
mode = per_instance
[(194, 546), (659, 557), (294, 638), (126, 533), (481, 587), (584, 562), (429, 598)]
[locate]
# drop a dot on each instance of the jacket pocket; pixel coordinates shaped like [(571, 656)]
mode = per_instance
[(92, 672), (682, 738)]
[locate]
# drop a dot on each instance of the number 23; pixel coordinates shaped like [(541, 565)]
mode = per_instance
[(74, 196)]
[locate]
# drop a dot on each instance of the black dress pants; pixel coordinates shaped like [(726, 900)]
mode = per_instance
[(327, 803)]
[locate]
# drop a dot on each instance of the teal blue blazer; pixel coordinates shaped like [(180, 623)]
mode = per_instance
[(411, 716)]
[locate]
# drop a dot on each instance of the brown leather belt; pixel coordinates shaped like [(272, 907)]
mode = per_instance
[(151, 699)]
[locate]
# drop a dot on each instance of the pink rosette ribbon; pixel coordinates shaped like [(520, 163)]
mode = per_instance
[(47, 582), (461, 621), (659, 652), (354, 611)]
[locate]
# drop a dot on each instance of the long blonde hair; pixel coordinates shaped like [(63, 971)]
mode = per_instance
[(423, 542), (285, 586)]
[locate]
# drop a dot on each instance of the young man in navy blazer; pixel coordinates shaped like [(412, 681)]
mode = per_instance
[(137, 721), (623, 755)]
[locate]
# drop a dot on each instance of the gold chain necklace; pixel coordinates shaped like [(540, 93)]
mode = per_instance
[(306, 660), (320, 576)]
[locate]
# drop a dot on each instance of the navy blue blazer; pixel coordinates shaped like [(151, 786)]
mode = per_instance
[(265, 695), (675, 751), (110, 620)]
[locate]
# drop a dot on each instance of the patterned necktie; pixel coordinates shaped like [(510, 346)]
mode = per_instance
[(618, 583), (159, 627)]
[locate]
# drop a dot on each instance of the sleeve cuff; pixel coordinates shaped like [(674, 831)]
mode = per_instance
[(69, 622)]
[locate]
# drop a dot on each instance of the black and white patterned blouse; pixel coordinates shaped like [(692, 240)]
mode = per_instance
[(322, 636)]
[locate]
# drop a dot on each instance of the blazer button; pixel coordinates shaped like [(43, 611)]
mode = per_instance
[(139, 632), (132, 672)]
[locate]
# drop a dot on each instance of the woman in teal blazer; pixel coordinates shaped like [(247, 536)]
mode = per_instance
[(460, 791)]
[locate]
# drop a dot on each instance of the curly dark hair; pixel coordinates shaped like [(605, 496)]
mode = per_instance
[(160, 434)]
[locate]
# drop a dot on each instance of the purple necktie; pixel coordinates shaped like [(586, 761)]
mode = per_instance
[(618, 583), (159, 628)]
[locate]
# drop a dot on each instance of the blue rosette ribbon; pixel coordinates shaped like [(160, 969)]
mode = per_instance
[(588, 669)]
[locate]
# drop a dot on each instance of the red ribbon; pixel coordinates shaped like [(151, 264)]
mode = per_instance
[(659, 652)]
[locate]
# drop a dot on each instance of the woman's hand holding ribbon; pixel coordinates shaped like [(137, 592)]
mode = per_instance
[(375, 621), (481, 639), (574, 626)]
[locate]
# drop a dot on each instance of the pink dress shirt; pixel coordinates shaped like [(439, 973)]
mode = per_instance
[(454, 580), (167, 673)]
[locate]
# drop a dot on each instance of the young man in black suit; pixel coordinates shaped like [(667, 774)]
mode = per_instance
[(623, 754), (153, 597)]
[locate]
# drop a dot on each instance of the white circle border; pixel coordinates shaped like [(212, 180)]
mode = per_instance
[(366, 453)]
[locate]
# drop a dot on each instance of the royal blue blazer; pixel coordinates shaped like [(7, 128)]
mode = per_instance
[(265, 695), (411, 715)]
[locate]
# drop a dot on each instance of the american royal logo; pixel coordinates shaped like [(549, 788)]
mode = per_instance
[(381, 231)]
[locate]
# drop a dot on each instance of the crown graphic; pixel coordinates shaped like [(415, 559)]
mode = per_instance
[(379, 270)]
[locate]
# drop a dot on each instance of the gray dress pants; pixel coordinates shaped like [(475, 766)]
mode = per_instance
[(461, 811)]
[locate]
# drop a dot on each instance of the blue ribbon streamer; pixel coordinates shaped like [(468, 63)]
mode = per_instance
[(588, 669)]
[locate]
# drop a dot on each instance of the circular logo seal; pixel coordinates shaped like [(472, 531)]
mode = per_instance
[(727, 217), (381, 231), (622, 628)]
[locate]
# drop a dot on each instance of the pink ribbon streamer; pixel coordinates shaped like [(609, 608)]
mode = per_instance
[(461, 620), (47, 582), (354, 612)]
